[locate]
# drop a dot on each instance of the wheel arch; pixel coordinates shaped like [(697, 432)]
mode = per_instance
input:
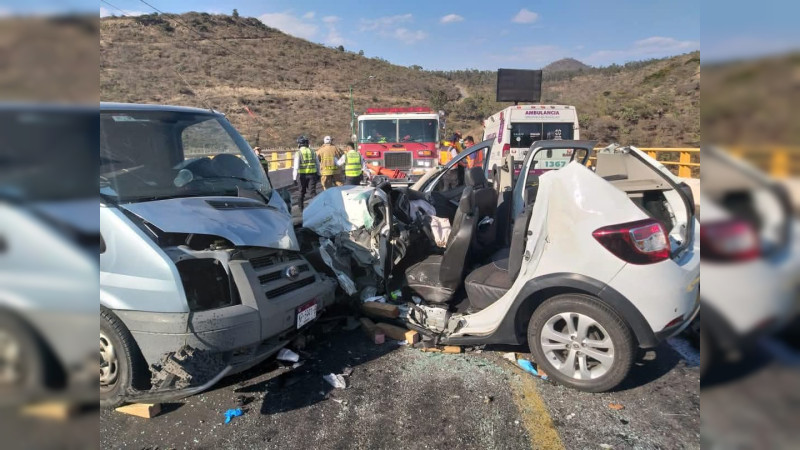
[(55, 374)]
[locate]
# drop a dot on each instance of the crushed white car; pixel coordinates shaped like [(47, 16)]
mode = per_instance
[(585, 265)]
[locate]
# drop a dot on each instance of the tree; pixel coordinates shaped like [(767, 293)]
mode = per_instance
[(340, 48), (361, 53), (235, 13), (438, 99)]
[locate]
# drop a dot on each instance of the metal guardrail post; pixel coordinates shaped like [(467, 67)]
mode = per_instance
[(684, 170), (779, 164)]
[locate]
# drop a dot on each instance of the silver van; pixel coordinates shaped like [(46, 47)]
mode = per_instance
[(200, 271)]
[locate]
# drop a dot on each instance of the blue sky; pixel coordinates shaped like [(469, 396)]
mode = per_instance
[(519, 34)]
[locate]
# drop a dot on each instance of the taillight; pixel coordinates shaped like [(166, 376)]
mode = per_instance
[(734, 240), (640, 242), (424, 153), (372, 154), (506, 149)]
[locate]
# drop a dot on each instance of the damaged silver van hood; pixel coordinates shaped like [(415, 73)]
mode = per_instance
[(242, 221)]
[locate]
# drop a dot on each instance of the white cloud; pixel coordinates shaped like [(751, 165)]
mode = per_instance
[(290, 24), (384, 22), (330, 19), (105, 12), (532, 56), (387, 27), (451, 18), (525, 16), (309, 15), (652, 47)]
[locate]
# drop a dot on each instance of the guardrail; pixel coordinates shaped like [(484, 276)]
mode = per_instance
[(687, 164)]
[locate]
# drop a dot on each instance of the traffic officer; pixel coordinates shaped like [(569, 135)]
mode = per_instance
[(354, 165), (327, 155), (305, 169)]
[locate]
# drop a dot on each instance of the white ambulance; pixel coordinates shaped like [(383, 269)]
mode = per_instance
[(515, 128)]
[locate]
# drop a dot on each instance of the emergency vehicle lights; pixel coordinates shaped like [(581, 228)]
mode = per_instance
[(372, 154), (416, 109), (424, 153)]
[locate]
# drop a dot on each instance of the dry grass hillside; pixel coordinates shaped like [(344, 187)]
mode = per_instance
[(296, 87)]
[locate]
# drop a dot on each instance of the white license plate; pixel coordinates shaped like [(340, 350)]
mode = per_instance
[(306, 313)]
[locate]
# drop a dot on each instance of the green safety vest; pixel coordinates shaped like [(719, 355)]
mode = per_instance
[(352, 167), (306, 161)]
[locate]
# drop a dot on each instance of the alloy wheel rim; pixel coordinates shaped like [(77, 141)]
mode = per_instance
[(577, 346), (109, 363)]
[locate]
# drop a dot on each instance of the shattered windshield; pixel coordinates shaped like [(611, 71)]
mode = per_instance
[(377, 130), (153, 155)]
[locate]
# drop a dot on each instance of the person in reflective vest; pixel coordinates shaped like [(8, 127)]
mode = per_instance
[(305, 169), (354, 165), (328, 154), (476, 159)]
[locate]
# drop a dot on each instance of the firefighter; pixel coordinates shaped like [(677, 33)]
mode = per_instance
[(354, 165), (305, 169), (327, 155)]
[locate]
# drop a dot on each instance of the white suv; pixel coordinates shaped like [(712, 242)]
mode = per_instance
[(585, 264)]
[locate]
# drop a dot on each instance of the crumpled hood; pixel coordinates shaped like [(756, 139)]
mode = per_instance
[(242, 221)]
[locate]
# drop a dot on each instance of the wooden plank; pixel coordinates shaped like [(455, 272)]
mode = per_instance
[(412, 337), (50, 410), (377, 309), (372, 331), (393, 331), (145, 410), (452, 349)]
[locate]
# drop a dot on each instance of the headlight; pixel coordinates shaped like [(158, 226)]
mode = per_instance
[(206, 284)]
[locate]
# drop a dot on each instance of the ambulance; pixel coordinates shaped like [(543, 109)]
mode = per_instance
[(515, 128)]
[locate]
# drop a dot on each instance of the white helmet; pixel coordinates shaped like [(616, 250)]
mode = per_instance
[(326, 140)]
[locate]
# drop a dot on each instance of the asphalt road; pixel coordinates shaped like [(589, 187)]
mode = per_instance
[(400, 397)]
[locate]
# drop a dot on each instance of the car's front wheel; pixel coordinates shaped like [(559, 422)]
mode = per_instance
[(580, 342), (119, 360)]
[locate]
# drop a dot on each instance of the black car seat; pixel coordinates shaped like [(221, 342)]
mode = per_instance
[(485, 197), (437, 277), (488, 283)]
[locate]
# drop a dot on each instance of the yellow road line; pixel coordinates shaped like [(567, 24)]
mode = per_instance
[(534, 414)]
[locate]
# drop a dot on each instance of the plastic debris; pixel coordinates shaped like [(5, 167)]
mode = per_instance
[(511, 356), (377, 298), (337, 381), (368, 292), (527, 366), (402, 342), (231, 413), (416, 299), (396, 294), (287, 355)]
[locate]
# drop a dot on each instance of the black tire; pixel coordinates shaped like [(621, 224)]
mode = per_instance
[(618, 331), (30, 366), (129, 361), (706, 352)]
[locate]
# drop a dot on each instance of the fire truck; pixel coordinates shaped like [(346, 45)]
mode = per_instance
[(401, 143)]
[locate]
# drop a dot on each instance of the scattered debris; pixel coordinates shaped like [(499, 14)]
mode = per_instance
[(528, 366), (335, 380), (605, 446), (231, 413), (488, 398), (616, 406), (402, 343), (186, 367), (376, 298), (287, 355), (393, 331), (347, 371), (570, 416), (145, 410), (372, 331), (368, 292), (510, 356), (452, 349), (416, 299), (396, 294), (383, 310)]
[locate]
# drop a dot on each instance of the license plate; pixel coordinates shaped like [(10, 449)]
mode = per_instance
[(306, 313)]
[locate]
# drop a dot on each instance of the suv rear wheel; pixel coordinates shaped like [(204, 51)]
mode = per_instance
[(581, 342)]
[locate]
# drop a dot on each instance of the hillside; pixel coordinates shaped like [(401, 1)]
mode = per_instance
[(294, 87), (566, 65)]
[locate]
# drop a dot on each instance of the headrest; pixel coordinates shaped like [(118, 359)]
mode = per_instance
[(465, 205), (475, 177)]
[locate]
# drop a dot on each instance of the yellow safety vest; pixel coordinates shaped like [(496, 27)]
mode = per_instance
[(352, 166), (307, 165)]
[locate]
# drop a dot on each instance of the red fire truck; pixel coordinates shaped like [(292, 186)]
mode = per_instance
[(401, 143)]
